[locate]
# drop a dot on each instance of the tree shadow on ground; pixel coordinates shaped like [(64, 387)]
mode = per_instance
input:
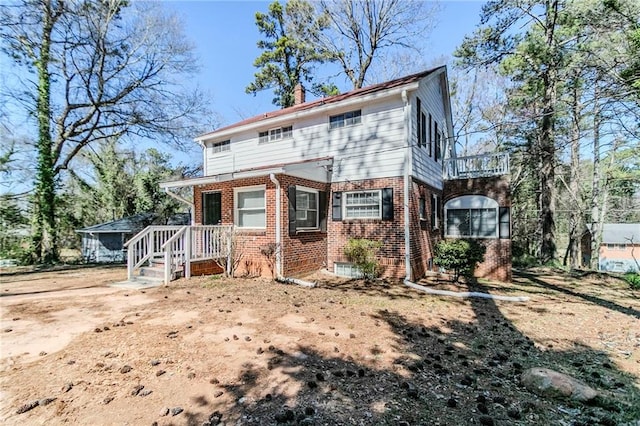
[(384, 288), (447, 371), (532, 279)]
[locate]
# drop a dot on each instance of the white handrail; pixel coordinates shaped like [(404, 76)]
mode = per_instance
[(179, 246), (168, 249)]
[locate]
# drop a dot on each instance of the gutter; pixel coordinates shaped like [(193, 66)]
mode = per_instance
[(407, 183)]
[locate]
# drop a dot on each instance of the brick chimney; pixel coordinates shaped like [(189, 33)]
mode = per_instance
[(298, 94)]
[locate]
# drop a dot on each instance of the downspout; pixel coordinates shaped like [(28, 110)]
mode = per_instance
[(278, 270), (192, 208), (407, 183)]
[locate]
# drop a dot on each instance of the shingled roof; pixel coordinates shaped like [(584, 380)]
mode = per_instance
[(328, 100), (621, 233), (134, 223)]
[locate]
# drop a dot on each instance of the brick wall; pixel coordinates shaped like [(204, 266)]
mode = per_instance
[(303, 253), (306, 251), (248, 244), (497, 264), (309, 251), (391, 233), (205, 267), (424, 235)]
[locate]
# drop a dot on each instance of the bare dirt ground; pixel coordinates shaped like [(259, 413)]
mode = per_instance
[(251, 351)]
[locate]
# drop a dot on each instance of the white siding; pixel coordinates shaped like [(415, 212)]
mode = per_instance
[(372, 149), (425, 167)]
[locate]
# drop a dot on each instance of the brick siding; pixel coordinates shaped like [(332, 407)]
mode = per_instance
[(497, 263), (309, 251), (303, 253), (205, 267), (391, 233), (247, 244), (424, 235)]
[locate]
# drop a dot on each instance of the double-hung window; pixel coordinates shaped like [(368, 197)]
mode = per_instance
[(277, 134), (306, 208), (350, 118), (250, 207), (218, 147)]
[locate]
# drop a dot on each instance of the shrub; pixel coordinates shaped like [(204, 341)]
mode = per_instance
[(459, 256), (362, 253), (633, 279)]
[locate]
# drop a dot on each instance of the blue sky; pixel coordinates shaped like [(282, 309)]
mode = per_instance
[(225, 35)]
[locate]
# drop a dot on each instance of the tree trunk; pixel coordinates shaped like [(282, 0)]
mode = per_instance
[(575, 216), (547, 143), (596, 228), (44, 237)]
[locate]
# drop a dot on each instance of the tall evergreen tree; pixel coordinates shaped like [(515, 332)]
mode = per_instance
[(288, 54), (534, 60)]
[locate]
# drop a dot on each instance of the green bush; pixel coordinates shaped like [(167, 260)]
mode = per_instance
[(362, 253), (633, 279), (459, 256)]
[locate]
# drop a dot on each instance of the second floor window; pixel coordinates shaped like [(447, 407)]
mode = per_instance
[(220, 147), (347, 119), (275, 134)]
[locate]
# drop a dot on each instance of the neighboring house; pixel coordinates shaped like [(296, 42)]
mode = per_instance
[(620, 247), (104, 243), (378, 162)]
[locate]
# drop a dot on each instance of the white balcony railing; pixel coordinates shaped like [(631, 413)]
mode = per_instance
[(475, 166)]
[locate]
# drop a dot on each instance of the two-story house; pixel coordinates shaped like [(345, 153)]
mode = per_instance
[(378, 162)]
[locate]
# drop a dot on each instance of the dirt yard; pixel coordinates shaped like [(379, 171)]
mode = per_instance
[(250, 351)]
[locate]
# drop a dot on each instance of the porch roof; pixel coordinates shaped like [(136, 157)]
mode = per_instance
[(318, 169)]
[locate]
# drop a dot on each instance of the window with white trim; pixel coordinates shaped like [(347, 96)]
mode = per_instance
[(363, 205), (306, 208), (250, 207), (472, 216), (350, 118), (277, 134), (220, 147)]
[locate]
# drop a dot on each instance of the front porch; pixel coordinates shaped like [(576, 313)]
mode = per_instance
[(167, 252)]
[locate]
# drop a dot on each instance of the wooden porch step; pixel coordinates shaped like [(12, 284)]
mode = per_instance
[(157, 271)]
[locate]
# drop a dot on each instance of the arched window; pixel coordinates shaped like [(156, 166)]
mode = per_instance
[(471, 216)]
